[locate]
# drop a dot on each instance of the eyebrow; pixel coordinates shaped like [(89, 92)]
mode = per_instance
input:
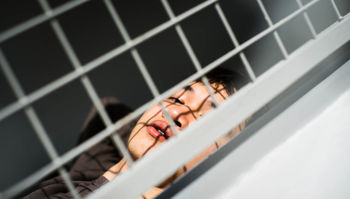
[(188, 88)]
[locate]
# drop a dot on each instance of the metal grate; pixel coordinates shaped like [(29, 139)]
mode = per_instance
[(283, 72)]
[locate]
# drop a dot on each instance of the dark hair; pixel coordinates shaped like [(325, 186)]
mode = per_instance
[(226, 77)]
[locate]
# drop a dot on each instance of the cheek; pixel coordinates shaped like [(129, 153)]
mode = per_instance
[(139, 141), (145, 119)]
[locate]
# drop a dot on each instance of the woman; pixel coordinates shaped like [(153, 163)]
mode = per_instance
[(151, 130)]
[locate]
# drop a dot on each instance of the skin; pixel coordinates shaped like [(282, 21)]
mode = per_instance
[(184, 107)]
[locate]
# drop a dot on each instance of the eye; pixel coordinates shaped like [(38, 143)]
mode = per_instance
[(176, 100)]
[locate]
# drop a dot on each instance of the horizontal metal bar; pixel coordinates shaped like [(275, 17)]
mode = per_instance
[(8, 34), (193, 140)]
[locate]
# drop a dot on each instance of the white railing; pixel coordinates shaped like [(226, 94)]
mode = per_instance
[(243, 104)]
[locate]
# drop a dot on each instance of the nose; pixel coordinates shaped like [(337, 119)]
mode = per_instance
[(180, 114)]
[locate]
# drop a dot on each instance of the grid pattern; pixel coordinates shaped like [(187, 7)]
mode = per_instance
[(25, 101)]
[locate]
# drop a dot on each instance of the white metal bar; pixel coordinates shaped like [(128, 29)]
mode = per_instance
[(68, 156), (117, 140), (335, 7), (139, 62), (34, 121), (18, 29), (189, 50), (153, 168), (235, 42), (85, 80), (275, 33), (308, 21)]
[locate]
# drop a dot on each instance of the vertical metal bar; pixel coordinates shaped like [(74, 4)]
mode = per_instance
[(35, 122), (235, 42), (308, 21), (140, 64), (189, 50), (14, 83), (275, 33), (335, 7), (117, 140), (85, 81)]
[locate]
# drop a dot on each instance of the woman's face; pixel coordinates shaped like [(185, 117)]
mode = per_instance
[(184, 107)]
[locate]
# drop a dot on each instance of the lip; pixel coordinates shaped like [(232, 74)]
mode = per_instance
[(154, 133), (156, 125)]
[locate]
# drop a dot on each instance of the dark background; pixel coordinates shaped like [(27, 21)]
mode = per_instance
[(37, 58)]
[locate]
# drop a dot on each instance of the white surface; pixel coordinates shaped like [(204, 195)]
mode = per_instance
[(313, 163)]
